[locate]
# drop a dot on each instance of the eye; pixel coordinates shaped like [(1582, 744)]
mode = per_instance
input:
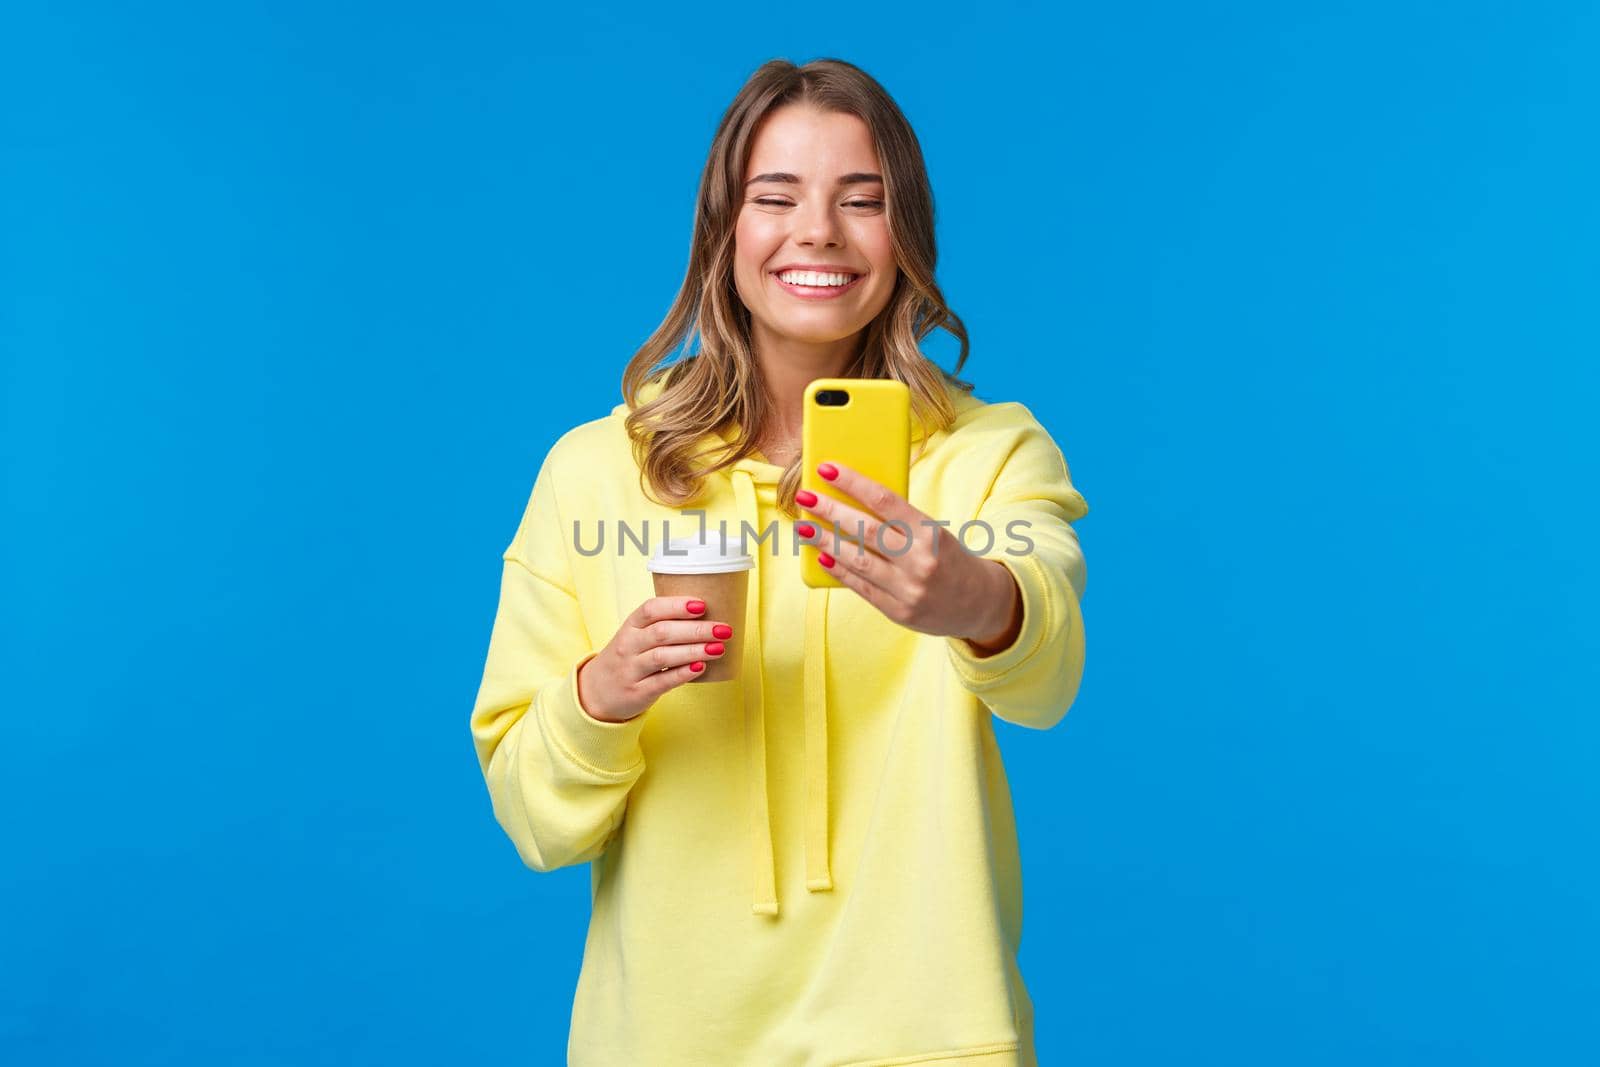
[(768, 201)]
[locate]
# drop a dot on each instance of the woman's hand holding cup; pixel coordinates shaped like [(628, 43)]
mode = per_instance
[(662, 644)]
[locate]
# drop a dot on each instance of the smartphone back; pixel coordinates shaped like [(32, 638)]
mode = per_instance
[(865, 424)]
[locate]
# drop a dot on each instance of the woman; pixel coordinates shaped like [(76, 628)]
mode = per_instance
[(816, 863)]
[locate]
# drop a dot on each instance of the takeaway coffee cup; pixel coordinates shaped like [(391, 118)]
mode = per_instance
[(707, 569)]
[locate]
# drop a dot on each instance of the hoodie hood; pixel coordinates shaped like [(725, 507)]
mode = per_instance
[(744, 476)]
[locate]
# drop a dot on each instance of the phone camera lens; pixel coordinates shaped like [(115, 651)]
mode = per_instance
[(835, 398)]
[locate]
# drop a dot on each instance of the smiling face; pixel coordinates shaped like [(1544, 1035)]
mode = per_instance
[(814, 196)]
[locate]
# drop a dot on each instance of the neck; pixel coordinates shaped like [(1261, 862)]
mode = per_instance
[(787, 367)]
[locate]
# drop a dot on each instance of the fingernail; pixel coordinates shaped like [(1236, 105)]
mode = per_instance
[(697, 607), (824, 559), (714, 648), (722, 631), (805, 498), (805, 529), (697, 666), (828, 471)]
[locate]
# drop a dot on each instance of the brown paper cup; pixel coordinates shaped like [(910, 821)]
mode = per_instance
[(706, 570), (724, 595)]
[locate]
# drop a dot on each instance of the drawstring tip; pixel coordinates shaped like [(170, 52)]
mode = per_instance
[(817, 885), (769, 907)]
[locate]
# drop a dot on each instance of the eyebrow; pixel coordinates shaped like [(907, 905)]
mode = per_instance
[(856, 178)]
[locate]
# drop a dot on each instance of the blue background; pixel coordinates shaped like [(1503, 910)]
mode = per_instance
[(293, 299)]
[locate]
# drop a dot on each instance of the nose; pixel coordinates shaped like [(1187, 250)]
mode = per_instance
[(817, 224)]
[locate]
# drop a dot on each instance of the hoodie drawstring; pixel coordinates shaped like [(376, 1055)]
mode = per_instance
[(815, 704), (818, 875)]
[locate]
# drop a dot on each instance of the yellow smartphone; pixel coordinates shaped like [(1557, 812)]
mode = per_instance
[(865, 424)]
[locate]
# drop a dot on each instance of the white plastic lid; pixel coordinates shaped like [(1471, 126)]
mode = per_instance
[(691, 555)]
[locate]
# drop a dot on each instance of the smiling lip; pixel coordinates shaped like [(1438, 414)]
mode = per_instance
[(818, 292)]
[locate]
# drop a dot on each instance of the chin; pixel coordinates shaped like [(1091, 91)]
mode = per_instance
[(820, 337)]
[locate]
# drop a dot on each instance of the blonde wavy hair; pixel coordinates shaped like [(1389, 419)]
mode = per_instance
[(720, 385)]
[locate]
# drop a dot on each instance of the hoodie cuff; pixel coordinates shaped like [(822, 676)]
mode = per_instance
[(608, 749), (1038, 608)]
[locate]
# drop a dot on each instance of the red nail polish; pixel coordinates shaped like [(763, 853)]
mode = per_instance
[(805, 498), (722, 631), (697, 666), (828, 471), (715, 648), (825, 559), (805, 529), (697, 607)]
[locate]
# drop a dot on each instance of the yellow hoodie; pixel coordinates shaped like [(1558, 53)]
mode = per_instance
[(815, 864)]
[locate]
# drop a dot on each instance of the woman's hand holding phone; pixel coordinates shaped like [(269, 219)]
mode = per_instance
[(658, 647), (924, 580)]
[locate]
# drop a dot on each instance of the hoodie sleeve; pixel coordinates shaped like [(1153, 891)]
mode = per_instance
[(558, 778), (1029, 508)]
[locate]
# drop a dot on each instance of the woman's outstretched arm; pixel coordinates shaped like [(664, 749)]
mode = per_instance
[(1029, 507)]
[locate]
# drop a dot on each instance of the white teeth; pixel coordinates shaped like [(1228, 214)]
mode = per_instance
[(815, 278)]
